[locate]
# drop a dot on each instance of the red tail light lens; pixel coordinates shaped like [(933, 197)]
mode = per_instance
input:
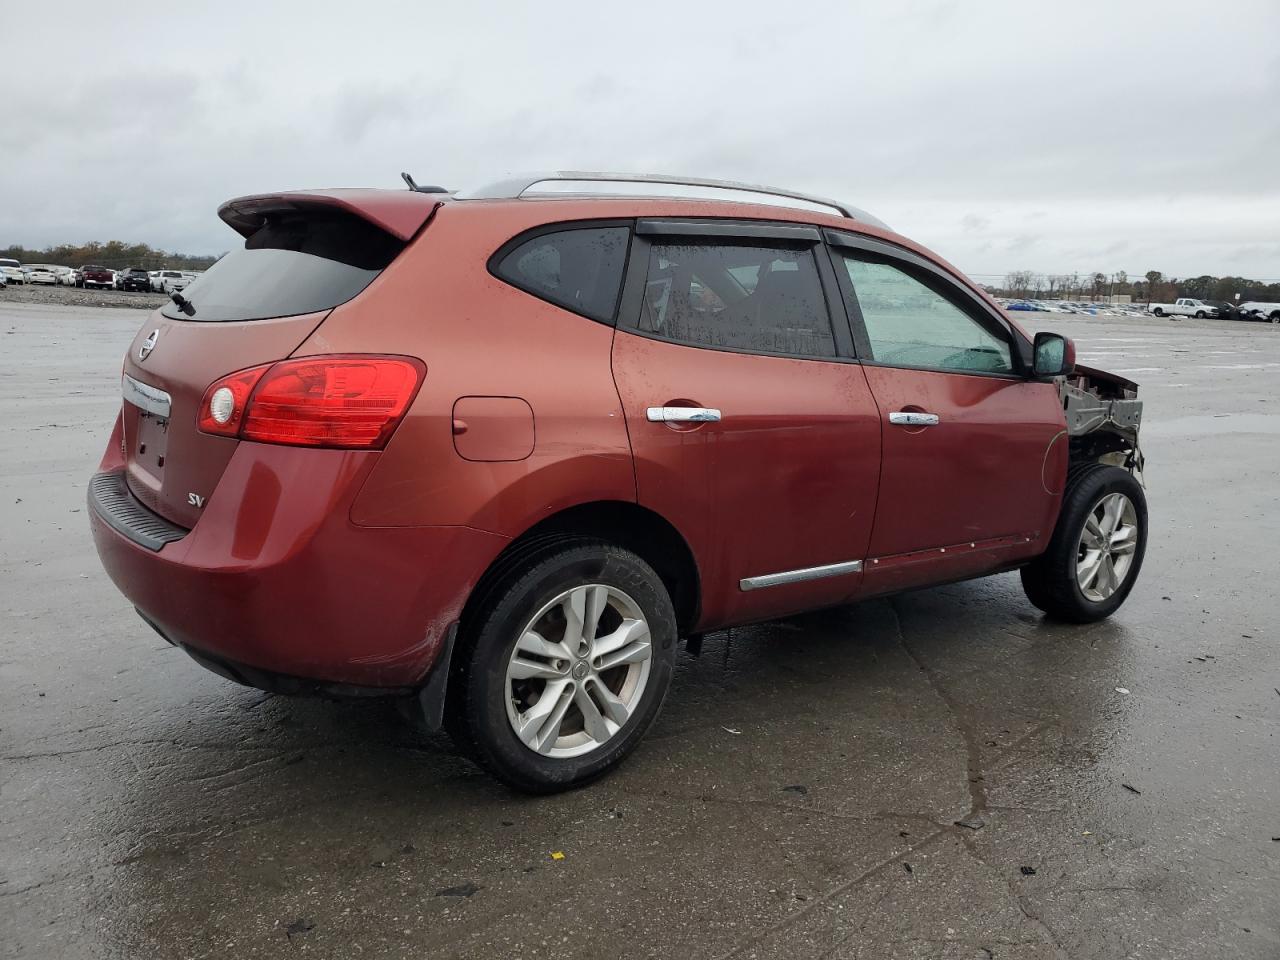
[(352, 402)]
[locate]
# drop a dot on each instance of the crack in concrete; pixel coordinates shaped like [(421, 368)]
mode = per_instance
[(975, 777), (975, 784), (125, 744), (879, 816), (831, 894), (1019, 899)]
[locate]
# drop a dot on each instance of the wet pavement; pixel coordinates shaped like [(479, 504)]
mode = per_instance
[(798, 796)]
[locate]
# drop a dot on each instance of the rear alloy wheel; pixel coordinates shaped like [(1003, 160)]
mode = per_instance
[(578, 671), (1096, 549), (564, 666)]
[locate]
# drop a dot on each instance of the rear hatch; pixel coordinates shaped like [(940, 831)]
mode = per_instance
[(303, 255)]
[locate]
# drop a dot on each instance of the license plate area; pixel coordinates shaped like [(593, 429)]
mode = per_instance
[(148, 442), (152, 442)]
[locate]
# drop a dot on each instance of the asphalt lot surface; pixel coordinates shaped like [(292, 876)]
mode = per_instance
[(797, 798)]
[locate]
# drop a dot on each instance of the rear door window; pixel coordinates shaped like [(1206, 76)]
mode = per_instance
[(737, 296), (295, 264), (579, 268)]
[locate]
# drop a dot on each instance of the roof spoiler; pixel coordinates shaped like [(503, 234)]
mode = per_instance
[(401, 214)]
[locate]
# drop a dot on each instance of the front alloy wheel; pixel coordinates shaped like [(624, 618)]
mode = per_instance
[(1107, 543), (1094, 556)]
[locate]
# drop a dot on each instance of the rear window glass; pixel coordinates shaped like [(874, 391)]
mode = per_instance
[(737, 296), (579, 269), (292, 265)]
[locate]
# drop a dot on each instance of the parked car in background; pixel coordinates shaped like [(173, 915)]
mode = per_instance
[(1183, 307), (94, 277), (1020, 305), (1225, 310), (1261, 310), (42, 273), (172, 281), (12, 271), (135, 278), (339, 493), (66, 276), (154, 277)]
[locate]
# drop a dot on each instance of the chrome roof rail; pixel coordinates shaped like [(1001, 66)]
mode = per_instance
[(578, 183)]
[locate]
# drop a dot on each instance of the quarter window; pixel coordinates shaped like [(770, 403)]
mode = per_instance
[(762, 299), (579, 269), (910, 324)]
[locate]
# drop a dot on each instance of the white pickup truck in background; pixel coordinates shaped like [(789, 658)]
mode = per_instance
[(1185, 307)]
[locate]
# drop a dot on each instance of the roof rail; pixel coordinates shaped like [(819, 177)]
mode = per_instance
[(565, 183)]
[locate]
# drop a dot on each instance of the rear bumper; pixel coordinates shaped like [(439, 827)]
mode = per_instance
[(274, 579)]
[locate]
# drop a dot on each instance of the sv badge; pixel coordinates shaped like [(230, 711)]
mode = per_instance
[(195, 499)]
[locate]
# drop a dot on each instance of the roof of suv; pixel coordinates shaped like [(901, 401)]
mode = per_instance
[(403, 212), (576, 196), (584, 184)]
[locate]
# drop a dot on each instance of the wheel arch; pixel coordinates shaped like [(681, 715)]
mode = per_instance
[(636, 528)]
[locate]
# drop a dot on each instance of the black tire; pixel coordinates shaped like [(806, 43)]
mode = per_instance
[(1199, 314), (476, 710), (1050, 580), (1158, 312)]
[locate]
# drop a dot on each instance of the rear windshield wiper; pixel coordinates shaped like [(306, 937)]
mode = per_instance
[(185, 305)]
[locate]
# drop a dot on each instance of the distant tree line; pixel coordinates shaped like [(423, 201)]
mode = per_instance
[(113, 253), (1154, 285)]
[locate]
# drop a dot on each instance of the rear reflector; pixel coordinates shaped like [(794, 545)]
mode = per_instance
[(350, 402)]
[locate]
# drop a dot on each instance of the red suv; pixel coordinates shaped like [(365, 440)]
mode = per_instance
[(494, 452)]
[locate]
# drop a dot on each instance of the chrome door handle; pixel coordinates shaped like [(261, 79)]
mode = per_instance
[(904, 419), (683, 415)]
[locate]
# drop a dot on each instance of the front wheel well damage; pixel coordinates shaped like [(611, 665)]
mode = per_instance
[(1103, 415)]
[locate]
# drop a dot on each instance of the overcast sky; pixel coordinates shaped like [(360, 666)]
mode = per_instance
[(1052, 137)]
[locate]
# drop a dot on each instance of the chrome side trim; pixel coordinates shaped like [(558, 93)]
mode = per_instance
[(146, 397), (798, 576)]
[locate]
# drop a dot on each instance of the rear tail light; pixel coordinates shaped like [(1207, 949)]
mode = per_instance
[(235, 388), (350, 402)]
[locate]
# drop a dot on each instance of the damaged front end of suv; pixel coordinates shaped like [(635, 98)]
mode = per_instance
[(1103, 415)]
